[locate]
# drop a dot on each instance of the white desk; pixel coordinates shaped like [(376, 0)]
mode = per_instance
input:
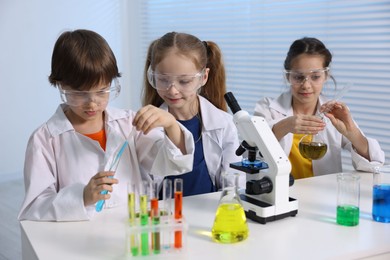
[(312, 234)]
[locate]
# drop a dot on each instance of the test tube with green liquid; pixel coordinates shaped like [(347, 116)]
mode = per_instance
[(144, 218), (132, 218)]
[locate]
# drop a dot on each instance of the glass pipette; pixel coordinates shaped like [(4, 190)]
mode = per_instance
[(337, 97)]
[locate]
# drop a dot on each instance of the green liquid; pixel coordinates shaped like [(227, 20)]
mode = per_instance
[(347, 215), (312, 150), (134, 251), (230, 224), (144, 235)]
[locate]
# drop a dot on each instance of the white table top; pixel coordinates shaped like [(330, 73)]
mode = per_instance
[(312, 234)]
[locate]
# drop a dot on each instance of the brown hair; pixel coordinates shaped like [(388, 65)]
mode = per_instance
[(82, 59), (311, 46), (203, 54)]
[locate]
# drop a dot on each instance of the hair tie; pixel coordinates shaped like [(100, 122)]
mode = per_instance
[(207, 47)]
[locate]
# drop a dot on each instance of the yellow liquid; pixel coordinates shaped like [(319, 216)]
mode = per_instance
[(230, 224), (312, 150), (131, 207)]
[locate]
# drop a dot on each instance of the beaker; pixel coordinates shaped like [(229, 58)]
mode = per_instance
[(312, 147), (230, 221), (348, 197), (381, 194)]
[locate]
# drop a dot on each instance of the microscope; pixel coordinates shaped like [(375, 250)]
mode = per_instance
[(266, 196)]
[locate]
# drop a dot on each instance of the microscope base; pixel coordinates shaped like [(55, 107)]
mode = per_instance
[(263, 212)]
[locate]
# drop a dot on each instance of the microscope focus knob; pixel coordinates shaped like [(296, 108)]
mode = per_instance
[(256, 187)]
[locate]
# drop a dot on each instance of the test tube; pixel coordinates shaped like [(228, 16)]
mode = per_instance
[(113, 167), (178, 190), (144, 216), (155, 217), (167, 199), (131, 208)]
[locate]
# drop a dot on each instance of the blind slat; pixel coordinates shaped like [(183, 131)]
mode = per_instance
[(255, 36)]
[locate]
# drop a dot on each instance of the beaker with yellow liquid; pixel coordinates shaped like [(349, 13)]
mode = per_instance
[(230, 221)]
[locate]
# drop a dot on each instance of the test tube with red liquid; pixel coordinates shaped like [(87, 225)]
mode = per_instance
[(155, 217), (178, 197)]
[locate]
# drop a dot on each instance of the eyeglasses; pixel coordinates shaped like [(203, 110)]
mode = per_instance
[(100, 97), (315, 77), (183, 83)]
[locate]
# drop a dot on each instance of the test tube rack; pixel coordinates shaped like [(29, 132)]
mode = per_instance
[(156, 239)]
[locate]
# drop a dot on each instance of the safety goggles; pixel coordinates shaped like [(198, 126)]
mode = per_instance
[(182, 83), (100, 97), (315, 77)]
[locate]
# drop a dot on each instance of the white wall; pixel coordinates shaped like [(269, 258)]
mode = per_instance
[(28, 31)]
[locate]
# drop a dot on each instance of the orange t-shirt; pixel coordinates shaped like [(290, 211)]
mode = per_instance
[(301, 167), (100, 137)]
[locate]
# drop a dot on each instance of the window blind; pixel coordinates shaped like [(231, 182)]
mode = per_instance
[(255, 36)]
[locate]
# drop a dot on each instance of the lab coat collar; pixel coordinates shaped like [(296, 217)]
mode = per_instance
[(208, 110), (282, 103), (59, 123)]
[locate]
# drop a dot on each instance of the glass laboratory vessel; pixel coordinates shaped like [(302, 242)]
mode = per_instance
[(230, 221), (312, 147), (381, 194)]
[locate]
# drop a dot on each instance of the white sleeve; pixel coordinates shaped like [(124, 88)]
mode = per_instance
[(262, 108), (42, 200), (377, 157), (159, 156)]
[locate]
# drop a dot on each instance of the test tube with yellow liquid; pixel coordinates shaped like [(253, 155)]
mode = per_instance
[(230, 221), (132, 218)]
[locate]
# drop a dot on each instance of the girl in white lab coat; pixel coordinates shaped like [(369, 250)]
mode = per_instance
[(67, 163), (293, 115), (186, 77)]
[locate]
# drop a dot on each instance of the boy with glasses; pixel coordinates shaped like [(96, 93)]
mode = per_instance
[(68, 158)]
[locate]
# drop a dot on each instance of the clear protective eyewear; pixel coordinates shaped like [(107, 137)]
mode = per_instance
[(100, 97), (183, 83), (315, 77)]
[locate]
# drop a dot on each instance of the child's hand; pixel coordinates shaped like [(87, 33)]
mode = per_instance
[(101, 181), (305, 124), (149, 117), (340, 116)]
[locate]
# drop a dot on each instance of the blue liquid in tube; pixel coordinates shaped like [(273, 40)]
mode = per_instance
[(381, 203)]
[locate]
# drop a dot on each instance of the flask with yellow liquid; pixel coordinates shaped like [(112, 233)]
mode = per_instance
[(312, 147), (230, 222)]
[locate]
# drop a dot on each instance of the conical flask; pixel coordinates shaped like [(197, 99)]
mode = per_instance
[(230, 222)]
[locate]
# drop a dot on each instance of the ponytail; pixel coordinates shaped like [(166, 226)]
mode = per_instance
[(215, 87)]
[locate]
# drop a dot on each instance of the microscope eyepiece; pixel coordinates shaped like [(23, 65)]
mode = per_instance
[(232, 102)]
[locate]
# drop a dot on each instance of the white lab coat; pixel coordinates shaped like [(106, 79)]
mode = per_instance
[(59, 163), (219, 138), (274, 110)]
